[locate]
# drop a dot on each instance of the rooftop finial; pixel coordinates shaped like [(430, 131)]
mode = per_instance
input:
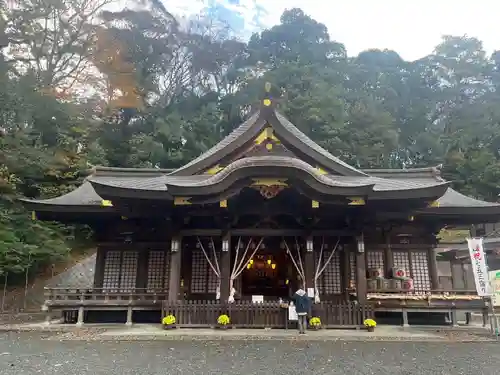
[(267, 98)]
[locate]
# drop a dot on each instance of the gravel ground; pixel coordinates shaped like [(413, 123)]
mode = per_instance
[(32, 353)]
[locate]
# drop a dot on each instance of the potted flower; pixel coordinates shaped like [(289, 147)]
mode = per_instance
[(315, 323), (168, 322), (223, 321), (370, 324)]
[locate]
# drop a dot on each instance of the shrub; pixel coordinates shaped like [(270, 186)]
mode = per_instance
[(168, 320), (370, 323), (223, 320)]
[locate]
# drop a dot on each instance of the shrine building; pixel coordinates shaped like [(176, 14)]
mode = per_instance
[(264, 211)]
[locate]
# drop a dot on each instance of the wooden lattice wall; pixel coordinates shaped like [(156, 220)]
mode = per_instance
[(416, 263), (352, 270), (203, 278), (330, 281), (158, 270), (120, 271), (375, 259)]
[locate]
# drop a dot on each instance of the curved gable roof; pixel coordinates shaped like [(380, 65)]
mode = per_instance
[(285, 131)]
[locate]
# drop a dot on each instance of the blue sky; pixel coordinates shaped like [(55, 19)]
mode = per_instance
[(410, 27)]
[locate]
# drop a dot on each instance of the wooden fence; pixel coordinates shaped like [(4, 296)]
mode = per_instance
[(246, 314)]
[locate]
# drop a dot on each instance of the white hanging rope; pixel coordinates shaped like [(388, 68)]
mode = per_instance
[(215, 256), (319, 270), (301, 264), (300, 270), (235, 266), (242, 265), (216, 270), (244, 254)]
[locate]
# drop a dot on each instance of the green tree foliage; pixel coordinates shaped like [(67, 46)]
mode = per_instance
[(81, 85)]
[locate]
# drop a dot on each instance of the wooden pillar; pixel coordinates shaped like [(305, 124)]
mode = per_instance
[(433, 269), (175, 269), (361, 285), (100, 258), (345, 272), (309, 269), (225, 268), (388, 255), (142, 269)]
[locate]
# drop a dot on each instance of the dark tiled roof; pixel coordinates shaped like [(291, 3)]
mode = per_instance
[(84, 195), (453, 198), (157, 180), (264, 162), (251, 127), (311, 144), (226, 142), (450, 199), (158, 183), (432, 173)]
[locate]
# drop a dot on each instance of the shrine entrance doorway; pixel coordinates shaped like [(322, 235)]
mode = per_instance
[(270, 273)]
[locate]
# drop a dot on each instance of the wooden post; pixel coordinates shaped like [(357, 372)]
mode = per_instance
[(309, 269), (345, 272), (388, 256), (175, 269), (100, 258), (142, 269), (225, 268), (361, 285), (433, 269)]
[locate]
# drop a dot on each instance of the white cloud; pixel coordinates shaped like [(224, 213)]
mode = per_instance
[(412, 28)]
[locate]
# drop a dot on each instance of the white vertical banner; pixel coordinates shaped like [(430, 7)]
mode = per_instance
[(479, 267)]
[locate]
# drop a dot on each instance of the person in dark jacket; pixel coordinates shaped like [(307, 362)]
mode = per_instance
[(302, 306)]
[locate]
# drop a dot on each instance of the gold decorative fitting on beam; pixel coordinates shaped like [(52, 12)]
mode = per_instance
[(266, 102), (106, 203), (33, 215), (269, 187), (269, 182), (314, 204), (267, 133), (434, 204), (269, 146), (182, 201), (223, 204), (356, 201), (321, 171), (214, 170)]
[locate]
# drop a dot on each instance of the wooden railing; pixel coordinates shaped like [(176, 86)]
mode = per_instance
[(425, 292), (246, 314), (90, 295)]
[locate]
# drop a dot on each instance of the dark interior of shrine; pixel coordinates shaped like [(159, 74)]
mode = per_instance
[(269, 273)]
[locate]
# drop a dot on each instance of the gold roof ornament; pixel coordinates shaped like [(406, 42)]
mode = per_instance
[(182, 201), (356, 201), (106, 203), (267, 100)]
